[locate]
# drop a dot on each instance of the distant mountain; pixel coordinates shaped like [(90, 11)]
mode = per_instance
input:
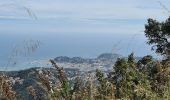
[(108, 56), (104, 62), (63, 59), (76, 60)]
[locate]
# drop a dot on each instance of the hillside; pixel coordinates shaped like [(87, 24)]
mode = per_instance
[(73, 66)]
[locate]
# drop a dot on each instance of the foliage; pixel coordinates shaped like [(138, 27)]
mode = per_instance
[(6, 91), (158, 35)]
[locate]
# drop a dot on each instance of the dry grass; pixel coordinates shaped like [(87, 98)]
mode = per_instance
[(6, 92)]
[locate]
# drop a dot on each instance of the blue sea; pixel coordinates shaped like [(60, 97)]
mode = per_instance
[(85, 45), (64, 37)]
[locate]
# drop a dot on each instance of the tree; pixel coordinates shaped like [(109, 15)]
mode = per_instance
[(125, 77), (158, 34)]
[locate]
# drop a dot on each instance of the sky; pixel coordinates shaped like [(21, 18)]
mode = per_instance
[(111, 16), (79, 27)]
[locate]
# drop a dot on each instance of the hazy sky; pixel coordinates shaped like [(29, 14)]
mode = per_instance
[(113, 16), (95, 24)]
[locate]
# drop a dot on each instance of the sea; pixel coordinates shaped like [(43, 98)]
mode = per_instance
[(23, 42), (14, 53)]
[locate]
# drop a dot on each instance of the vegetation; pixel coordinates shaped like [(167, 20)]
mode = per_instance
[(158, 34), (146, 79)]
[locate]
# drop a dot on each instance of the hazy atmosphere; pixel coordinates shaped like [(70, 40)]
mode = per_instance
[(78, 28), (84, 50)]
